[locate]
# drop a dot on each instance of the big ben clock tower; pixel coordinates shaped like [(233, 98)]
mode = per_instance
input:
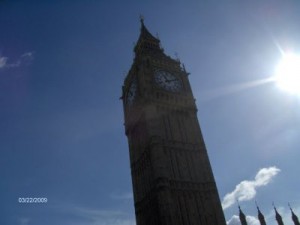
[(173, 183)]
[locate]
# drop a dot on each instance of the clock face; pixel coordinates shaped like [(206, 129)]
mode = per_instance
[(167, 81), (131, 92)]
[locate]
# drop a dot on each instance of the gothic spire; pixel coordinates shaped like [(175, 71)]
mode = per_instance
[(242, 217), (146, 41), (294, 217), (260, 216), (278, 216)]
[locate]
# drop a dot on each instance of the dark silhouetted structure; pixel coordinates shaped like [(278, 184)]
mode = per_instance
[(260, 216), (242, 217), (172, 179), (278, 217), (294, 217)]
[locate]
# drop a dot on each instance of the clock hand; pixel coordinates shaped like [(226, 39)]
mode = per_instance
[(164, 76)]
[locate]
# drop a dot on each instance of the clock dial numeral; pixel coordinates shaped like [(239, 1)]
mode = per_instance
[(167, 81)]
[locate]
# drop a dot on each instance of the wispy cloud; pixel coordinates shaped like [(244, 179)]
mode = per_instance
[(3, 61), (246, 190), (23, 59), (24, 221), (101, 217), (27, 58), (121, 196), (97, 213)]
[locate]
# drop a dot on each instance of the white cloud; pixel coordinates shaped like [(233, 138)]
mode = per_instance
[(251, 220), (235, 220), (246, 190), (25, 58)]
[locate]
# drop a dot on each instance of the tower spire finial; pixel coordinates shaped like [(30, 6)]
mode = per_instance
[(278, 216), (261, 217), (290, 206), (142, 19), (238, 203), (294, 217), (146, 42), (241, 214), (257, 206)]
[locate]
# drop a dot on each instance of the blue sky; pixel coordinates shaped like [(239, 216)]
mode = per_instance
[(62, 65)]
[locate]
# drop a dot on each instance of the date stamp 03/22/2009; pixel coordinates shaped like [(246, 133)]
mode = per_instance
[(32, 200)]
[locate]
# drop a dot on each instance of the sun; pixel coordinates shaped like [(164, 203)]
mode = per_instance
[(288, 73)]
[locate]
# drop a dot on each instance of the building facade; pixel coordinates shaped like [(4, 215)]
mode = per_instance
[(172, 179)]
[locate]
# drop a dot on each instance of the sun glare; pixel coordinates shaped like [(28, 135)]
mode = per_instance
[(288, 73)]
